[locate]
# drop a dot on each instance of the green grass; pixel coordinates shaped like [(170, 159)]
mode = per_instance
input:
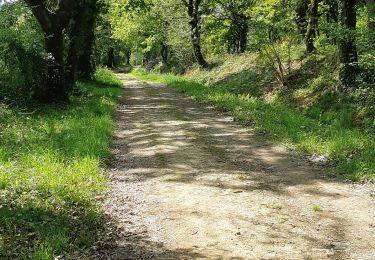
[(51, 160), (317, 208), (352, 150)]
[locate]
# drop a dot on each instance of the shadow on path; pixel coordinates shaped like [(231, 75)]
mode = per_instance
[(188, 183)]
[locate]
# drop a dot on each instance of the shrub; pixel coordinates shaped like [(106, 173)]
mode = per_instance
[(22, 59)]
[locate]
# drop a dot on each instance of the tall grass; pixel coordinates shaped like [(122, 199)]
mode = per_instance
[(50, 171), (351, 150)]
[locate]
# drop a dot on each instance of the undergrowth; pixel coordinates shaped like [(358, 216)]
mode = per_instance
[(350, 149), (50, 171)]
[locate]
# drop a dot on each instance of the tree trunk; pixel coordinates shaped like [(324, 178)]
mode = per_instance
[(301, 16), (243, 42), (53, 25), (196, 40), (111, 58), (54, 44), (332, 17), (127, 57), (86, 64), (74, 45), (146, 59), (332, 12), (347, 46), (371, 20), (85, 60), (164, 53), (193, 12), (80, 62), (243, 33), (312, 26), (57, 88)]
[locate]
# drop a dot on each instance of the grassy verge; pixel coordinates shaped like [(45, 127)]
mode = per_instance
[(352, 150), (50, 171)]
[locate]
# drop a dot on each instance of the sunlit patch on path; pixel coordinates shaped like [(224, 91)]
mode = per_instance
[(188, 183)]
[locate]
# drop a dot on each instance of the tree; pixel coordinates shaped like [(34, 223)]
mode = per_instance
[(274, 32), (347, 43), (80, 61), (141, 30), (53, 24), (371, 19), (312, 26), (329, 27), (111, 58), (236, 12), (332, 12), (195, 15), (302, 7), (22, 56)]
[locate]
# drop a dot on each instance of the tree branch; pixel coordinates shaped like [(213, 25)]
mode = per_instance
[(41, 13)]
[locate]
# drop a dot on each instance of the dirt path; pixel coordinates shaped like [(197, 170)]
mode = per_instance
[(188, 183)]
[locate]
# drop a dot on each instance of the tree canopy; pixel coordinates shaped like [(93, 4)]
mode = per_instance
[(68, 39)]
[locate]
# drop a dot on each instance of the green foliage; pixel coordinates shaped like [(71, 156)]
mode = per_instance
[(316, 208), (105, 76), (224, 26), (50, 172), (22, 58), (147, 30)]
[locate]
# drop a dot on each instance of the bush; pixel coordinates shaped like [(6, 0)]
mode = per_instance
[(367, 68), (22, 57), (106, 77)]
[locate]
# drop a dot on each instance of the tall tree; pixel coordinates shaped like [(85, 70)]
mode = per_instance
[(53, 24), (332, 12), (371, 19), (347, 43), (239, 22), (75, 21), (195, 15), (302, 7), (80, 60), (312, 26)]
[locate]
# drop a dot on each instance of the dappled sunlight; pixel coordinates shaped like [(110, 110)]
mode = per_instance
[(206, 180), (165, 130)]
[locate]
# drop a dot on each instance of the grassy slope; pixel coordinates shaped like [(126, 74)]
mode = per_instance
[(243, 90), (50, 171)]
